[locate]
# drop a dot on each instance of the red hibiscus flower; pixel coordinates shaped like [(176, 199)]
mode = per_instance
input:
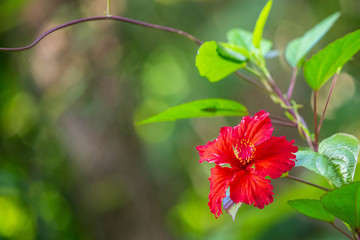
[(252, 154)]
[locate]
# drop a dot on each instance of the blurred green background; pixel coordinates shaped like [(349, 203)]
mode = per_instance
[(74, 166)]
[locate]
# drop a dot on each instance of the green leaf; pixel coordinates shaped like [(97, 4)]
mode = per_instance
[(319, 164), (232, 52), (201, 108), (344, 203), (311, 208), (299, 47), (327, 61), (336, 159), (243, 38), (342, 150), (260, 23), (212, 66)]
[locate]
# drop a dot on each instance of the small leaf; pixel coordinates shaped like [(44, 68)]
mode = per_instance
[(243, 38), (201, 108), (212, 66), (344, 203), (260, 23), (336, 159), (299, 47), (311, 208), (232, 52), (327, 61)]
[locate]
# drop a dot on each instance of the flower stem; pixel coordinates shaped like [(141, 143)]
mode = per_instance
[(308, 183), (315, 120), (340, 230), (327, 102)]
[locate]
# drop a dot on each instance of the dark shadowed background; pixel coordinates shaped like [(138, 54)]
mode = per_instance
[(74, 166)]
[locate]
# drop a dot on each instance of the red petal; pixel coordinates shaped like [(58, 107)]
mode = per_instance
[(219, 181), (255, 129), (274, 157), (220, 151), (250, 188)]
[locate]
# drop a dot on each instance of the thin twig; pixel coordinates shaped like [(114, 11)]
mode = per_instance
[(308, 183), (163, 28), (116, 18), (292, 83), (327, 102), (284, 123), (315, 120), (108, 8), (250, 80), (279, 121), (357, 234), (131, 21), (340, 230)]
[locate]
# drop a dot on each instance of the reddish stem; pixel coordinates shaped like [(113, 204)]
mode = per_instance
[(327, 102), (315, 120), (116, 18), (292, 83), (291, 111), (308, 183), (340, 230)]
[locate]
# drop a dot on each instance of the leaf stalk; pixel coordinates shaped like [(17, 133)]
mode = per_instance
[(306, 182)]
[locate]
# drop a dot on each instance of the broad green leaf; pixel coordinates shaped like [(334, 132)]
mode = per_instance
[(299, 47), (342, 150), (336, 159), (212, 66), (344, 203), (201, 108), (260, 23), (243, 38), (327, 61), (319, 164), (311, 208)]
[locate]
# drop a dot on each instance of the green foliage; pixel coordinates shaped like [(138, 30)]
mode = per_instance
[(233, 52), (343, 203), (311, 208), (200, 108), (336, 159), (319, 164), (213, 66), (243, 38), (299, 47), (329, 60), (260, 23), (343, 151), (215, 61)]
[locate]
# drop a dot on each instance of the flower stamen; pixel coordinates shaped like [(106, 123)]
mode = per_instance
[(244, 151)]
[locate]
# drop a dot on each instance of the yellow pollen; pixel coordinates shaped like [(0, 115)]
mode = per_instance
[(244, 151)]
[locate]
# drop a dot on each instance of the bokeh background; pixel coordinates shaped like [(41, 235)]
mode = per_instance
[(74, 166)]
